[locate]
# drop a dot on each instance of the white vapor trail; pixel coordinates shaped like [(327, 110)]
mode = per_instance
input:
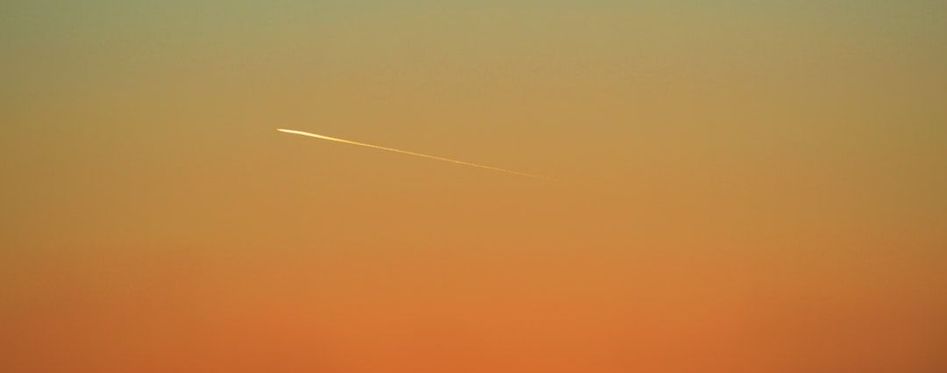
[(321, 137)]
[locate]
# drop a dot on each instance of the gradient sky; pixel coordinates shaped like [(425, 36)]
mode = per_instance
[(752, 186)]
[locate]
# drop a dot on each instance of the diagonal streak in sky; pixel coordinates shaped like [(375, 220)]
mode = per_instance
[(428, 156)]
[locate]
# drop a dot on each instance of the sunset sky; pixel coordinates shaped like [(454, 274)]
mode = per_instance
[(735, 186)]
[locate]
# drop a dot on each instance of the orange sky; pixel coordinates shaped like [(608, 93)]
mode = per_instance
[(743, 186)]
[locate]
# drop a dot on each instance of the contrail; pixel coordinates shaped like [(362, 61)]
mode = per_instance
[(301, 133)]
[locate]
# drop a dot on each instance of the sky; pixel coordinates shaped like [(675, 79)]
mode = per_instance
[(734, 186)]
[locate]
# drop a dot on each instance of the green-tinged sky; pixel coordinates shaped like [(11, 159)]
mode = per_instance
[(736, 186)]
